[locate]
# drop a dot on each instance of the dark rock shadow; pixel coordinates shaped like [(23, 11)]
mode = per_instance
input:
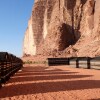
[(83, 1)]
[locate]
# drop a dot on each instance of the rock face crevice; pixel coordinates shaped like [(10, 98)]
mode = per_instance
[(63, 27)]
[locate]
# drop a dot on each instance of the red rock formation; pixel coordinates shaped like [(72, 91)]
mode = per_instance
[(65, 27)]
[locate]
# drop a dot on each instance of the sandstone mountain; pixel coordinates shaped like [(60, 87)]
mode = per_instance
[(63, 28)]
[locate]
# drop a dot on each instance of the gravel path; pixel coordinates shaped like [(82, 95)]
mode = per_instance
[(52, 83)]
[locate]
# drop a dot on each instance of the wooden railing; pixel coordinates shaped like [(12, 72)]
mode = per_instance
[(9, 64), (77, 62)]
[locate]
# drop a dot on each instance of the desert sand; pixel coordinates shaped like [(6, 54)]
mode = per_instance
[(36, 82)]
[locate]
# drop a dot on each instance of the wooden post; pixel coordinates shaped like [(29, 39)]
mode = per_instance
[(88, 63), (77, 63)]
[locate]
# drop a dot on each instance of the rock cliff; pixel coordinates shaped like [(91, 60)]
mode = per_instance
[(29, 46), (63, 28)]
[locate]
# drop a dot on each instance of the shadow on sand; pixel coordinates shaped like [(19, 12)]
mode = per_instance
[(44, 87), (47, 86)]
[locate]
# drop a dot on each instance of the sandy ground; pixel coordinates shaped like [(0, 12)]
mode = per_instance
[(52, 83)]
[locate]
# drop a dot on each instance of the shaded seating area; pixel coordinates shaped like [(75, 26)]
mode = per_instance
[(95, 63), (76, 62), (80, 62), (9, 64), (58, 61)]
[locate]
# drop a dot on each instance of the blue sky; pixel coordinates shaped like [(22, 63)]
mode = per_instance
[(14, 16)]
